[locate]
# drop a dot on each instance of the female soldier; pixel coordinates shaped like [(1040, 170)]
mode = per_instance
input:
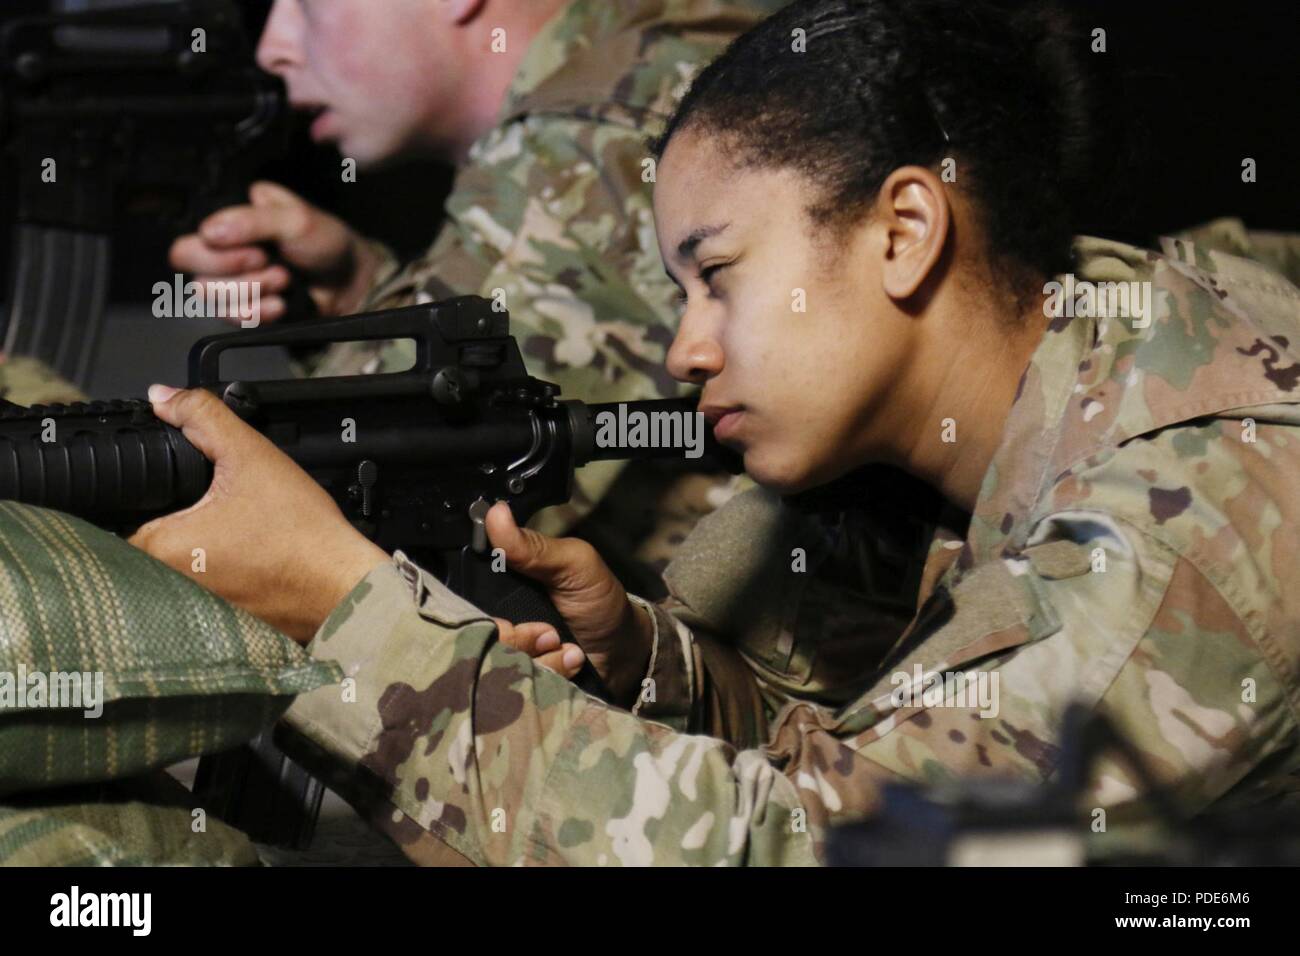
[(861, 202)]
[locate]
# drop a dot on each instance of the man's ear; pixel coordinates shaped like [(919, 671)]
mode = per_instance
[(460, 12), (913, 209)]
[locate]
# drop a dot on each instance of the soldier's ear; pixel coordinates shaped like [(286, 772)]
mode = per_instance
[(460, 12), (912, 207)]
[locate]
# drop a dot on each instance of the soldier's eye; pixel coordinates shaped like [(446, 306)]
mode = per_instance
[(709, 273)]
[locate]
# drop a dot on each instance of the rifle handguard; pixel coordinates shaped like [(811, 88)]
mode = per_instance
[(108, 462)]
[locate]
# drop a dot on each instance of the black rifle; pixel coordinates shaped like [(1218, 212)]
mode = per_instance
[(414, 459), (113, 111)]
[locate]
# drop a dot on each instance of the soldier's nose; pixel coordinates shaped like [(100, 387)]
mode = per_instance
[(694, 359), (278, 48)]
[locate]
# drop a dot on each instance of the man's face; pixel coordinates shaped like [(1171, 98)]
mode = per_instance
[(792, 337), (377, 73)]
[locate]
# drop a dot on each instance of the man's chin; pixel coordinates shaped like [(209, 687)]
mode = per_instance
[(354, 147), (370, 159), (350, 148)]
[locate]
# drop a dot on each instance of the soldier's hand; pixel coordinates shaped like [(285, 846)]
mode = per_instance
[(230, 246), (541, 642), (613, 632), (266, 537)]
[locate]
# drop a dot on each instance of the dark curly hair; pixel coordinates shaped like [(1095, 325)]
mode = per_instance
[(889, 83)]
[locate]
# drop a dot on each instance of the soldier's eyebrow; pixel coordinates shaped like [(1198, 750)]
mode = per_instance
[(686, 248)]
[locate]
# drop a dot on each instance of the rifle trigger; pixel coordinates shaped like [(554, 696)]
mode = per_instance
[(478, 535)]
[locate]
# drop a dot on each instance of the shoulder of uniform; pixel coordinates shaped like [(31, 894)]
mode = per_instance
[(627, 63)]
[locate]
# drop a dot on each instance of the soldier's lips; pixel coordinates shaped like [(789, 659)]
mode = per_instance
[(323, 126), (726, 424), (725, 419)]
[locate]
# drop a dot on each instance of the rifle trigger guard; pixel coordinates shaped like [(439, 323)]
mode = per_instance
[(532, 461)]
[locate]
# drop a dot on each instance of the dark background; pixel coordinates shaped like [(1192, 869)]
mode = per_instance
[(1189, 89)]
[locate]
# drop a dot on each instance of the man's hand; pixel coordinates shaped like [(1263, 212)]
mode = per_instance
[(273, 541), (338, 263), (613, 632)]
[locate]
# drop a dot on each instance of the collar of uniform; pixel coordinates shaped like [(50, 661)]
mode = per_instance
[(1015, 476), (1005, 503)]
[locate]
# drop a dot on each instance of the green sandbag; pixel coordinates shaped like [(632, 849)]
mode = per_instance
[(144, 821), (175, 671)]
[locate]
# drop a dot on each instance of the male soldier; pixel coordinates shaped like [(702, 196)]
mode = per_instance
[(545, 106)]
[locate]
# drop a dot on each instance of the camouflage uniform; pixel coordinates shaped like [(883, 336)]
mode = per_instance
[(552, 217), (1134, 546), (28, 381)]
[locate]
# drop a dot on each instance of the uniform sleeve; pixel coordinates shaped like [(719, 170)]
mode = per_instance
[(552, 219), (461, 750), (697, 684), (453, 743)]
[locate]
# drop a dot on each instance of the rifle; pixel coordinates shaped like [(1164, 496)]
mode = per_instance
[(109, 111), (414, 459)]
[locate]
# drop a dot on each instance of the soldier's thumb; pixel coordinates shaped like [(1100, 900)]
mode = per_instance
[(283, 216), (265, 194), (552, 561), (205, 420), (308, 237)]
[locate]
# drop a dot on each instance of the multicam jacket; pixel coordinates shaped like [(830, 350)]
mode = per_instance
[(1135, 546), (551, 216)]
